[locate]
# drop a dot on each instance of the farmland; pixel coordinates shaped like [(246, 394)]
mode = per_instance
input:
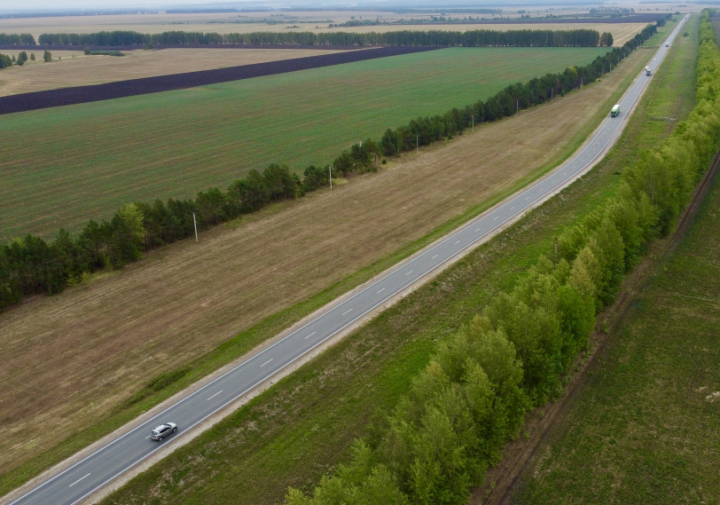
[(292, 435), (95, 157), (76, 69), (118, 323), (316, 21)]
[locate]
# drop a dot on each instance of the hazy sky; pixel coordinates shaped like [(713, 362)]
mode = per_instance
[(22, 5), (25, 5)]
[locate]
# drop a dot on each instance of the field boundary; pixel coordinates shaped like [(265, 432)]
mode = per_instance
[(121, 89)]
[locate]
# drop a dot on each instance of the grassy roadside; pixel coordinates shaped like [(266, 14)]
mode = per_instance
[(648, 417), (297, 431), (239, 345)]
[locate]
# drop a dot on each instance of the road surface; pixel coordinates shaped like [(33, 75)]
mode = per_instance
[(128, 450)]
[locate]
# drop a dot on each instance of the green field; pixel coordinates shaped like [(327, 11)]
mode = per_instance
[(61, 167), (301, 428)]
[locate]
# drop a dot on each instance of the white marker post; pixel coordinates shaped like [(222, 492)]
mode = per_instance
[(330, 172), (195, 225)]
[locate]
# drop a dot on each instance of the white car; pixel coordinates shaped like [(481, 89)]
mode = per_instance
[(163, 431)]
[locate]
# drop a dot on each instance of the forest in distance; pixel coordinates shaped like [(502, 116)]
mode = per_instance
[(431, 38), (32, 266)]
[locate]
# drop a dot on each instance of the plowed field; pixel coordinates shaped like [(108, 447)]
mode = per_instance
[(76, 69)]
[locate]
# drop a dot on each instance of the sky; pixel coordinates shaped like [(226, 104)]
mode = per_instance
[(29, 5), (93, 4)]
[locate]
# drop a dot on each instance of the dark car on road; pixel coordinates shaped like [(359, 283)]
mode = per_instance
[(163, 431)]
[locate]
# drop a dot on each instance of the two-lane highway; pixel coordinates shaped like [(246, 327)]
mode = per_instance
[(125, 452)]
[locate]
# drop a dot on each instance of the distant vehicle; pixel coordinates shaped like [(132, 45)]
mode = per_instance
[(163, 431), (615, 112), (667, 44), (647, 71)]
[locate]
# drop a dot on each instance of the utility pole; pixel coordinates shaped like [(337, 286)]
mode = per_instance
[(195, 225), (330, 172)]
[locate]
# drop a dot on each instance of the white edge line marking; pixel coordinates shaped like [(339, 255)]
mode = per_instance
[(268, 361), (142, 425), (313, 333), (213, 396), (81, 478)]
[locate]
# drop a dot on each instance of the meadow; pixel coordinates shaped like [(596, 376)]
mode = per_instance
[(70, 164)]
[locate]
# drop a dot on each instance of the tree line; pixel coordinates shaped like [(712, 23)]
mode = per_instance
[(463, 408), (30, 265), (16, 39), (433, 38), (22, 57)]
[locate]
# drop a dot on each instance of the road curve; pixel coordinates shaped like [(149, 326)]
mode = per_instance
[(128, 450)]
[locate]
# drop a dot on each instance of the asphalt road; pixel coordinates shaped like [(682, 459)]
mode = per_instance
[(112, 460)]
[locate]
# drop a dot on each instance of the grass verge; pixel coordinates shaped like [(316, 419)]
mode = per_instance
[(299, 429)]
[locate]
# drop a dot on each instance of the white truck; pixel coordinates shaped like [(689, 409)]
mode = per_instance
[(647, 71)]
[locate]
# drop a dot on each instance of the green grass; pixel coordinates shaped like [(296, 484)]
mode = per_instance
[(301, 428), (66, 165), (646, 428)]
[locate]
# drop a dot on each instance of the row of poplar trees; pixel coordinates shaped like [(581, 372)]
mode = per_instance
[(460, 412), (432, 38)]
